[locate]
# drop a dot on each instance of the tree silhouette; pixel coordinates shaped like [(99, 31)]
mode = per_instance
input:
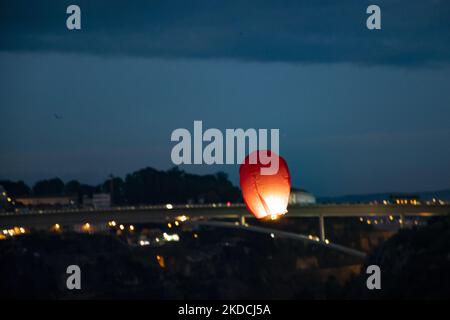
[(15, 189), (53, 186)]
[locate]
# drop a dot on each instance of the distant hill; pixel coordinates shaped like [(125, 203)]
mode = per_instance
[(441, 194)]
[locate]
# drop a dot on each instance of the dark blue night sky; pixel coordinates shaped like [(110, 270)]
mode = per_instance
[(359, 111)]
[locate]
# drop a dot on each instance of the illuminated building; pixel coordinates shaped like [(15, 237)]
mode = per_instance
[(101, 200), (47, 200), (301, 196)]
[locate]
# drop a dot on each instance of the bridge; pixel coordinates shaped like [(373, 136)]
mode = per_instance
[(212, 214), (162, 213)]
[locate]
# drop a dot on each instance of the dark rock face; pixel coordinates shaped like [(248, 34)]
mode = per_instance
[(415, 264), (216, 265), (34, 266)]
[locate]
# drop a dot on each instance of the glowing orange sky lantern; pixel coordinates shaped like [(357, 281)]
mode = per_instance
[(266, 196)]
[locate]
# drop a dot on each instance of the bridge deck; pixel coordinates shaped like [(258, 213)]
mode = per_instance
[(145, 214)]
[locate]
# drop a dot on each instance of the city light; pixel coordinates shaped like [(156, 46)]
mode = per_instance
[(121, 227), (169, 237), (182, 218), (177, 223), (131, 227), (272, 235), (327, 241), (169, 206), (160, 260), (169, 225), (12, 232)]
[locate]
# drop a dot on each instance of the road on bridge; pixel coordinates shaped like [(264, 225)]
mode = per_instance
[(146, 214)]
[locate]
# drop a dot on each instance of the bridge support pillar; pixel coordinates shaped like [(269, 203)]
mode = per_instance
[(322, 228), (243, 220), (402, 221)]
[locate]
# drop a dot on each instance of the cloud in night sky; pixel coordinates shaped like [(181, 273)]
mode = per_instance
[(359, 111), (413, 32)]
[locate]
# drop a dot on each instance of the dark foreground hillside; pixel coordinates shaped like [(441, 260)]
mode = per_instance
[(222, 264), (214, 264), (415, 264)]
